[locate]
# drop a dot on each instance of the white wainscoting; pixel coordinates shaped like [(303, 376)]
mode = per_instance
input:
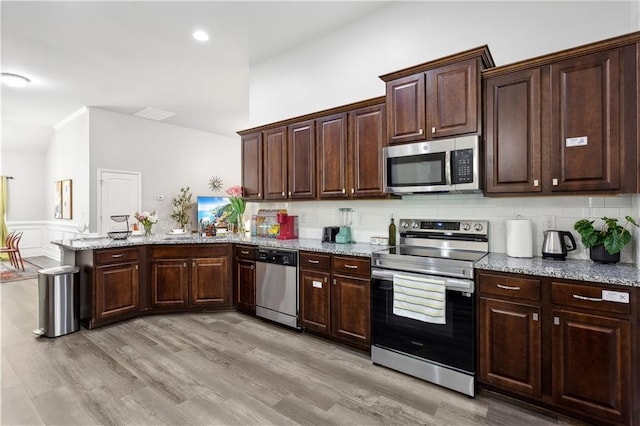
[(37, 236)]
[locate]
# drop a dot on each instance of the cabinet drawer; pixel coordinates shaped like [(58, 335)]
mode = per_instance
[(112, 256), (171, 251), (315, 261), (245, 252), (352, 265), (590, 297), (519, 288)]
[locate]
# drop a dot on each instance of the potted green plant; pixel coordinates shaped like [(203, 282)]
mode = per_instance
[(182, 205), (604, 244)]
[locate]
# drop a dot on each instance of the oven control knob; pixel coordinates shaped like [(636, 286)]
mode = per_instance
[(478, 227), (405, 225), (466, 226), (415, 225)]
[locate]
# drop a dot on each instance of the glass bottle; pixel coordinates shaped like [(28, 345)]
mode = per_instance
[(392, 233)]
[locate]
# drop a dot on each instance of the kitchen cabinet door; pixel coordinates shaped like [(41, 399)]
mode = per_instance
[(510, 346), (331, 156), (591, 361), (315, 301), (585, 122), (169, 283), (351, 316), (275, 164), (406, 109), (246, 286), (367, 137), (209, 282), (453, 101), (513, 150), (252, 167), (116, 290), (302, 165)]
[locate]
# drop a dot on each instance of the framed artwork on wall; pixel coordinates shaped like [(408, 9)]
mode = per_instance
[(67, 200), (57, 200)]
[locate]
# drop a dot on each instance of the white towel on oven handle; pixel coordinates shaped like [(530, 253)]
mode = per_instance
[(422, 299)]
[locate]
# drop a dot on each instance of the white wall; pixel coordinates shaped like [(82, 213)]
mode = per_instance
[(344, 66), (169, 158), (26, 198)]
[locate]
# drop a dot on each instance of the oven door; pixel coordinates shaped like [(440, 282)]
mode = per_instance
[(451, 344)]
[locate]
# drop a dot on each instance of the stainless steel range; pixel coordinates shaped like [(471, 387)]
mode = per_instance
[(423, 311)]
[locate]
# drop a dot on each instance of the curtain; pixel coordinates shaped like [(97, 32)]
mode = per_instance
[(3, 213)]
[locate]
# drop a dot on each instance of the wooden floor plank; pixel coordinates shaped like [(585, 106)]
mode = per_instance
[(212, 368)]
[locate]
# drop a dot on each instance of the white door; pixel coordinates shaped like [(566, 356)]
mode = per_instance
[(119, 193)]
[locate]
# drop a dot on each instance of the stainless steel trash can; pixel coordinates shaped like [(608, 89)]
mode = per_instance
[(59, 301)]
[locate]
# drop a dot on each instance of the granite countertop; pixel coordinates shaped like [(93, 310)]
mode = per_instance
[(572, 269), (308, 244), (624, 274)]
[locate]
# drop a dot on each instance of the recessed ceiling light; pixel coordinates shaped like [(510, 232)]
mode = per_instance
[(14, 80), (201, 35)]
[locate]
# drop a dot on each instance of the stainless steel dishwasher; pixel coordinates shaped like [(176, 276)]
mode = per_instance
[(277, 286)]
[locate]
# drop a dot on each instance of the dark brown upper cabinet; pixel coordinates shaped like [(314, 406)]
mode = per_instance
[(437, 99), (332, 156), (252, 166), (275, 163), (302, 182), (565, 122), (367, 137)]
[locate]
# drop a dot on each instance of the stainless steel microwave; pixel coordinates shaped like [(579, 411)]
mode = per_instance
[(447, 165)]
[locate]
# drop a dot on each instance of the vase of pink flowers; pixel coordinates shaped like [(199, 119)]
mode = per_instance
[(147, 220), (238, 206)]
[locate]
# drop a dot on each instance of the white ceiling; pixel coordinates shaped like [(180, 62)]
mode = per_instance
[(125, 56)]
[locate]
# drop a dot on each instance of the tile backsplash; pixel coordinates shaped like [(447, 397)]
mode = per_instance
[(372, 217)]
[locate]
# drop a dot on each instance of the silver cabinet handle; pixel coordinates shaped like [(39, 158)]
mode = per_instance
[(344, 191), (325, 279), (353, 190), (535, 316), (259, 194), (334, 281), (115, 256), (193, 264), (556, 320), (433, 130), (252, 267), (589, 299), (536, 182), (313, 261), (283, 193), (351, 266), (554, 182), (244, 252), (289, 193), (184, 264), (136, 267), (506, 287), (420, 131)]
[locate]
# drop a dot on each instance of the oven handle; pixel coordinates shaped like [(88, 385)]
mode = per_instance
[(466, 286)]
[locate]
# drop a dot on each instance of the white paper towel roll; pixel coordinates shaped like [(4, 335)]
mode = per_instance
[(519, 238)]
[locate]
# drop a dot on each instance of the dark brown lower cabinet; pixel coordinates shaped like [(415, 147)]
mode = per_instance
[(335, 297), (565, 345), (190, 276), (510, 346), (245, 279), (111, 289)]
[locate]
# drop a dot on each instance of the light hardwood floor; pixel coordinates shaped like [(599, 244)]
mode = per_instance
[(212, 368)]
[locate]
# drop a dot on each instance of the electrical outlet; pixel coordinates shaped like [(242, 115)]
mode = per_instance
[(549, 222)]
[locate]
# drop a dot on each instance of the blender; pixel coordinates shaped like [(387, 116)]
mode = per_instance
[(346, 217)]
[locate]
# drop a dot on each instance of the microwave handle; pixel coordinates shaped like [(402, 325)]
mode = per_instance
[(447, 167)]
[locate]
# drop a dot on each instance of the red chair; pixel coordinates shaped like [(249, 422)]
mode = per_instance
[(12, 247)]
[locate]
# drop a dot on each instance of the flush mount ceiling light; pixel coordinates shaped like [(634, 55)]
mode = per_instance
[(201, 35), (14, 80), (154, 114)]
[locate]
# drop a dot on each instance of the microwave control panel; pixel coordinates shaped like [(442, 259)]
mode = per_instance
[(462, 166)]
